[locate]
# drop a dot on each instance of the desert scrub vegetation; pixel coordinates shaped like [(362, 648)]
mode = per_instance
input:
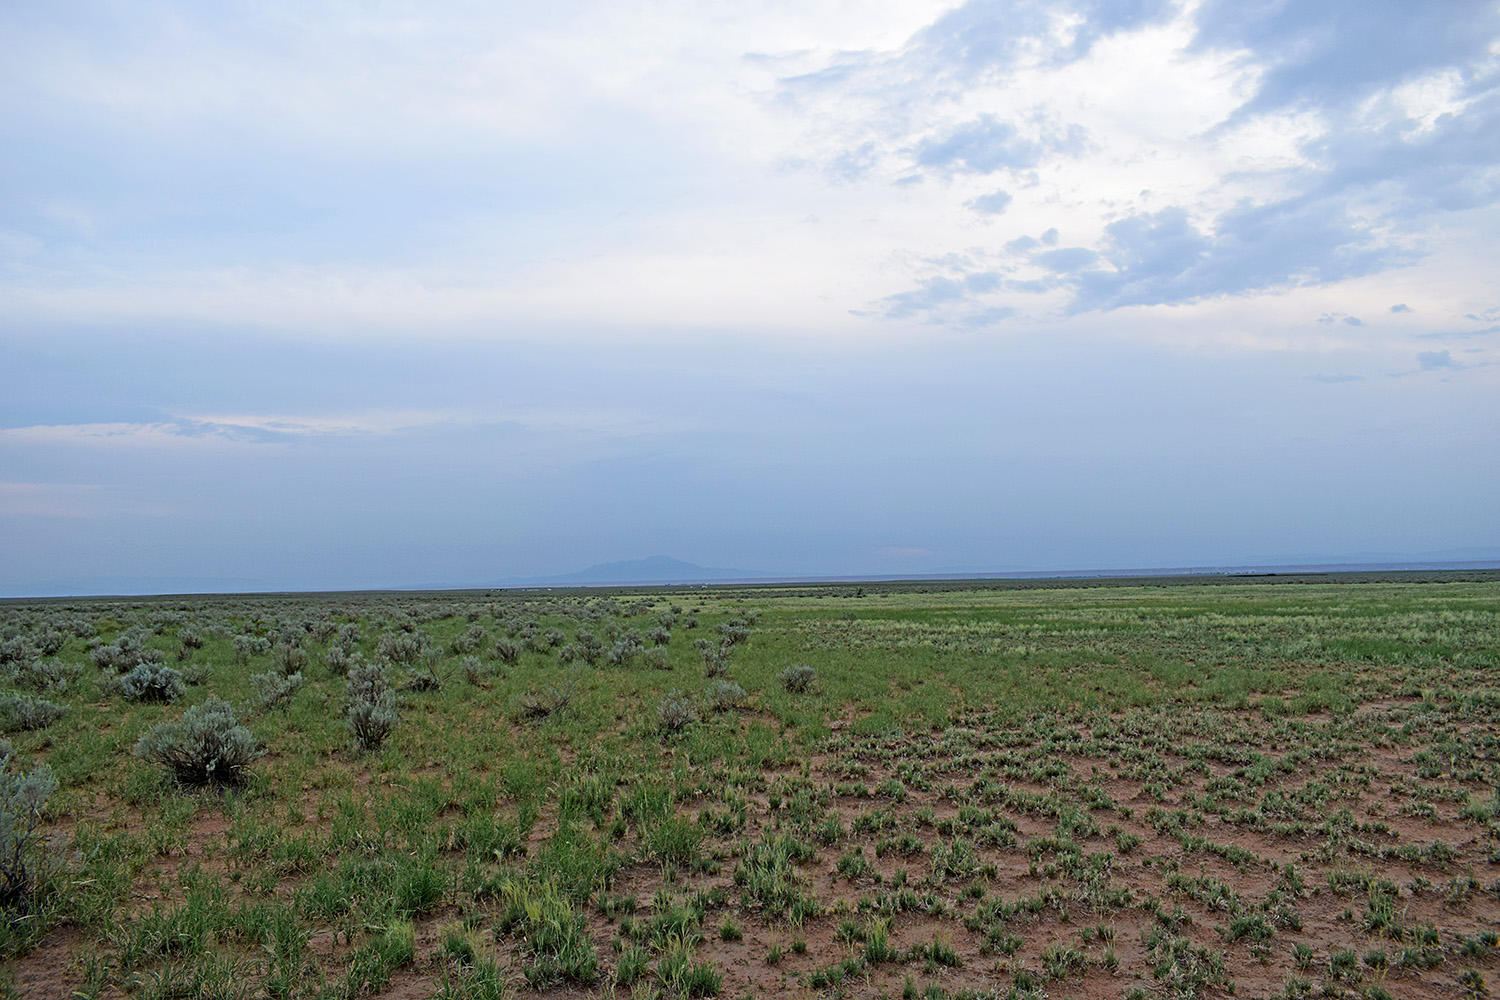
[(207, 746), (370, 704), (22, 798), (1166, 788)]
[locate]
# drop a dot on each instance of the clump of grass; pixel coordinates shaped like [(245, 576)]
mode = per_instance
[(208, 746), (553, 933)]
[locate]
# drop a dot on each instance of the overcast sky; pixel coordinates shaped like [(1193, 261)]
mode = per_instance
[(336, 295)]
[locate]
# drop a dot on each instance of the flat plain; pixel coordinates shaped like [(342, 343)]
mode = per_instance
[(1251, 787)]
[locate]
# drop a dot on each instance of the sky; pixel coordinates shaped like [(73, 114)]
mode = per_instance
[(305, 296)]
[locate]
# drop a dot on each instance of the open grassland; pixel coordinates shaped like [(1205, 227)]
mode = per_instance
[(1269, 788)]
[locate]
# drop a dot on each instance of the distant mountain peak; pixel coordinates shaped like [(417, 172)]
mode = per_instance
[(652, 569)]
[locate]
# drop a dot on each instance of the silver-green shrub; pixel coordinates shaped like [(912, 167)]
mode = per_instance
[(41, 676), (22, 797), (19, 712), (723, 695), (798, 678), (154, 682), (207, 746), (675, 713), (371, 704), (273, 689)]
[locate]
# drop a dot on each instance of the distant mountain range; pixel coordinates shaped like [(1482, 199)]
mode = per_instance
[(652, 569), (662, 570)]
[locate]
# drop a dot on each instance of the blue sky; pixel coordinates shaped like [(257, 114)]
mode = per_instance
[(299, 295)]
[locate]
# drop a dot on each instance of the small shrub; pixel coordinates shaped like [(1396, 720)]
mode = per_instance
[(798, 678), (208, 746), (246, 646), (403, 647), (42, 676), (22, 797), (656, 658), (675, 713), (151, 682), (715, 657), (724, 695), (273, 690), (371, 707), (424, 678), (290, 658), (19, 713), (339, 660), (624, 651), (540, 704), (508, 651), (473, 669)]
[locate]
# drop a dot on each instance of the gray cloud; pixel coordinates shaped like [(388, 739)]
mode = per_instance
[(987, 144), (993, 203), (1335, 52), (1436, 361), (987, 38), (934, 292), (1163, 257)]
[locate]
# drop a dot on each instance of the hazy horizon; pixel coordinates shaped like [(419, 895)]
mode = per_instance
[(335, 299)]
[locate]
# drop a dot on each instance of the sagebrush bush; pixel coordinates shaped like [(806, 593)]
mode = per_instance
[(19, 713), (150, 682), (424, 678), (723, 695), (798, 678), (22, 797), (246, 646), (338, 660), (41, 676), (371, 704), (124, 654), (273, 689), (623, 651), (406, 648), (715, 656), (469, 642), (656, 658), (542, 703), (208, 746), (508, 651), (472, 668), (290, 658), (675, 713), (589, 646)]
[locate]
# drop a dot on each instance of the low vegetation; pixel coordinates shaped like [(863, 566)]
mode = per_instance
[(1284, 787)]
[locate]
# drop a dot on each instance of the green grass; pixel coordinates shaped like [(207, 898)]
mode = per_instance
[(1223, 770)]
